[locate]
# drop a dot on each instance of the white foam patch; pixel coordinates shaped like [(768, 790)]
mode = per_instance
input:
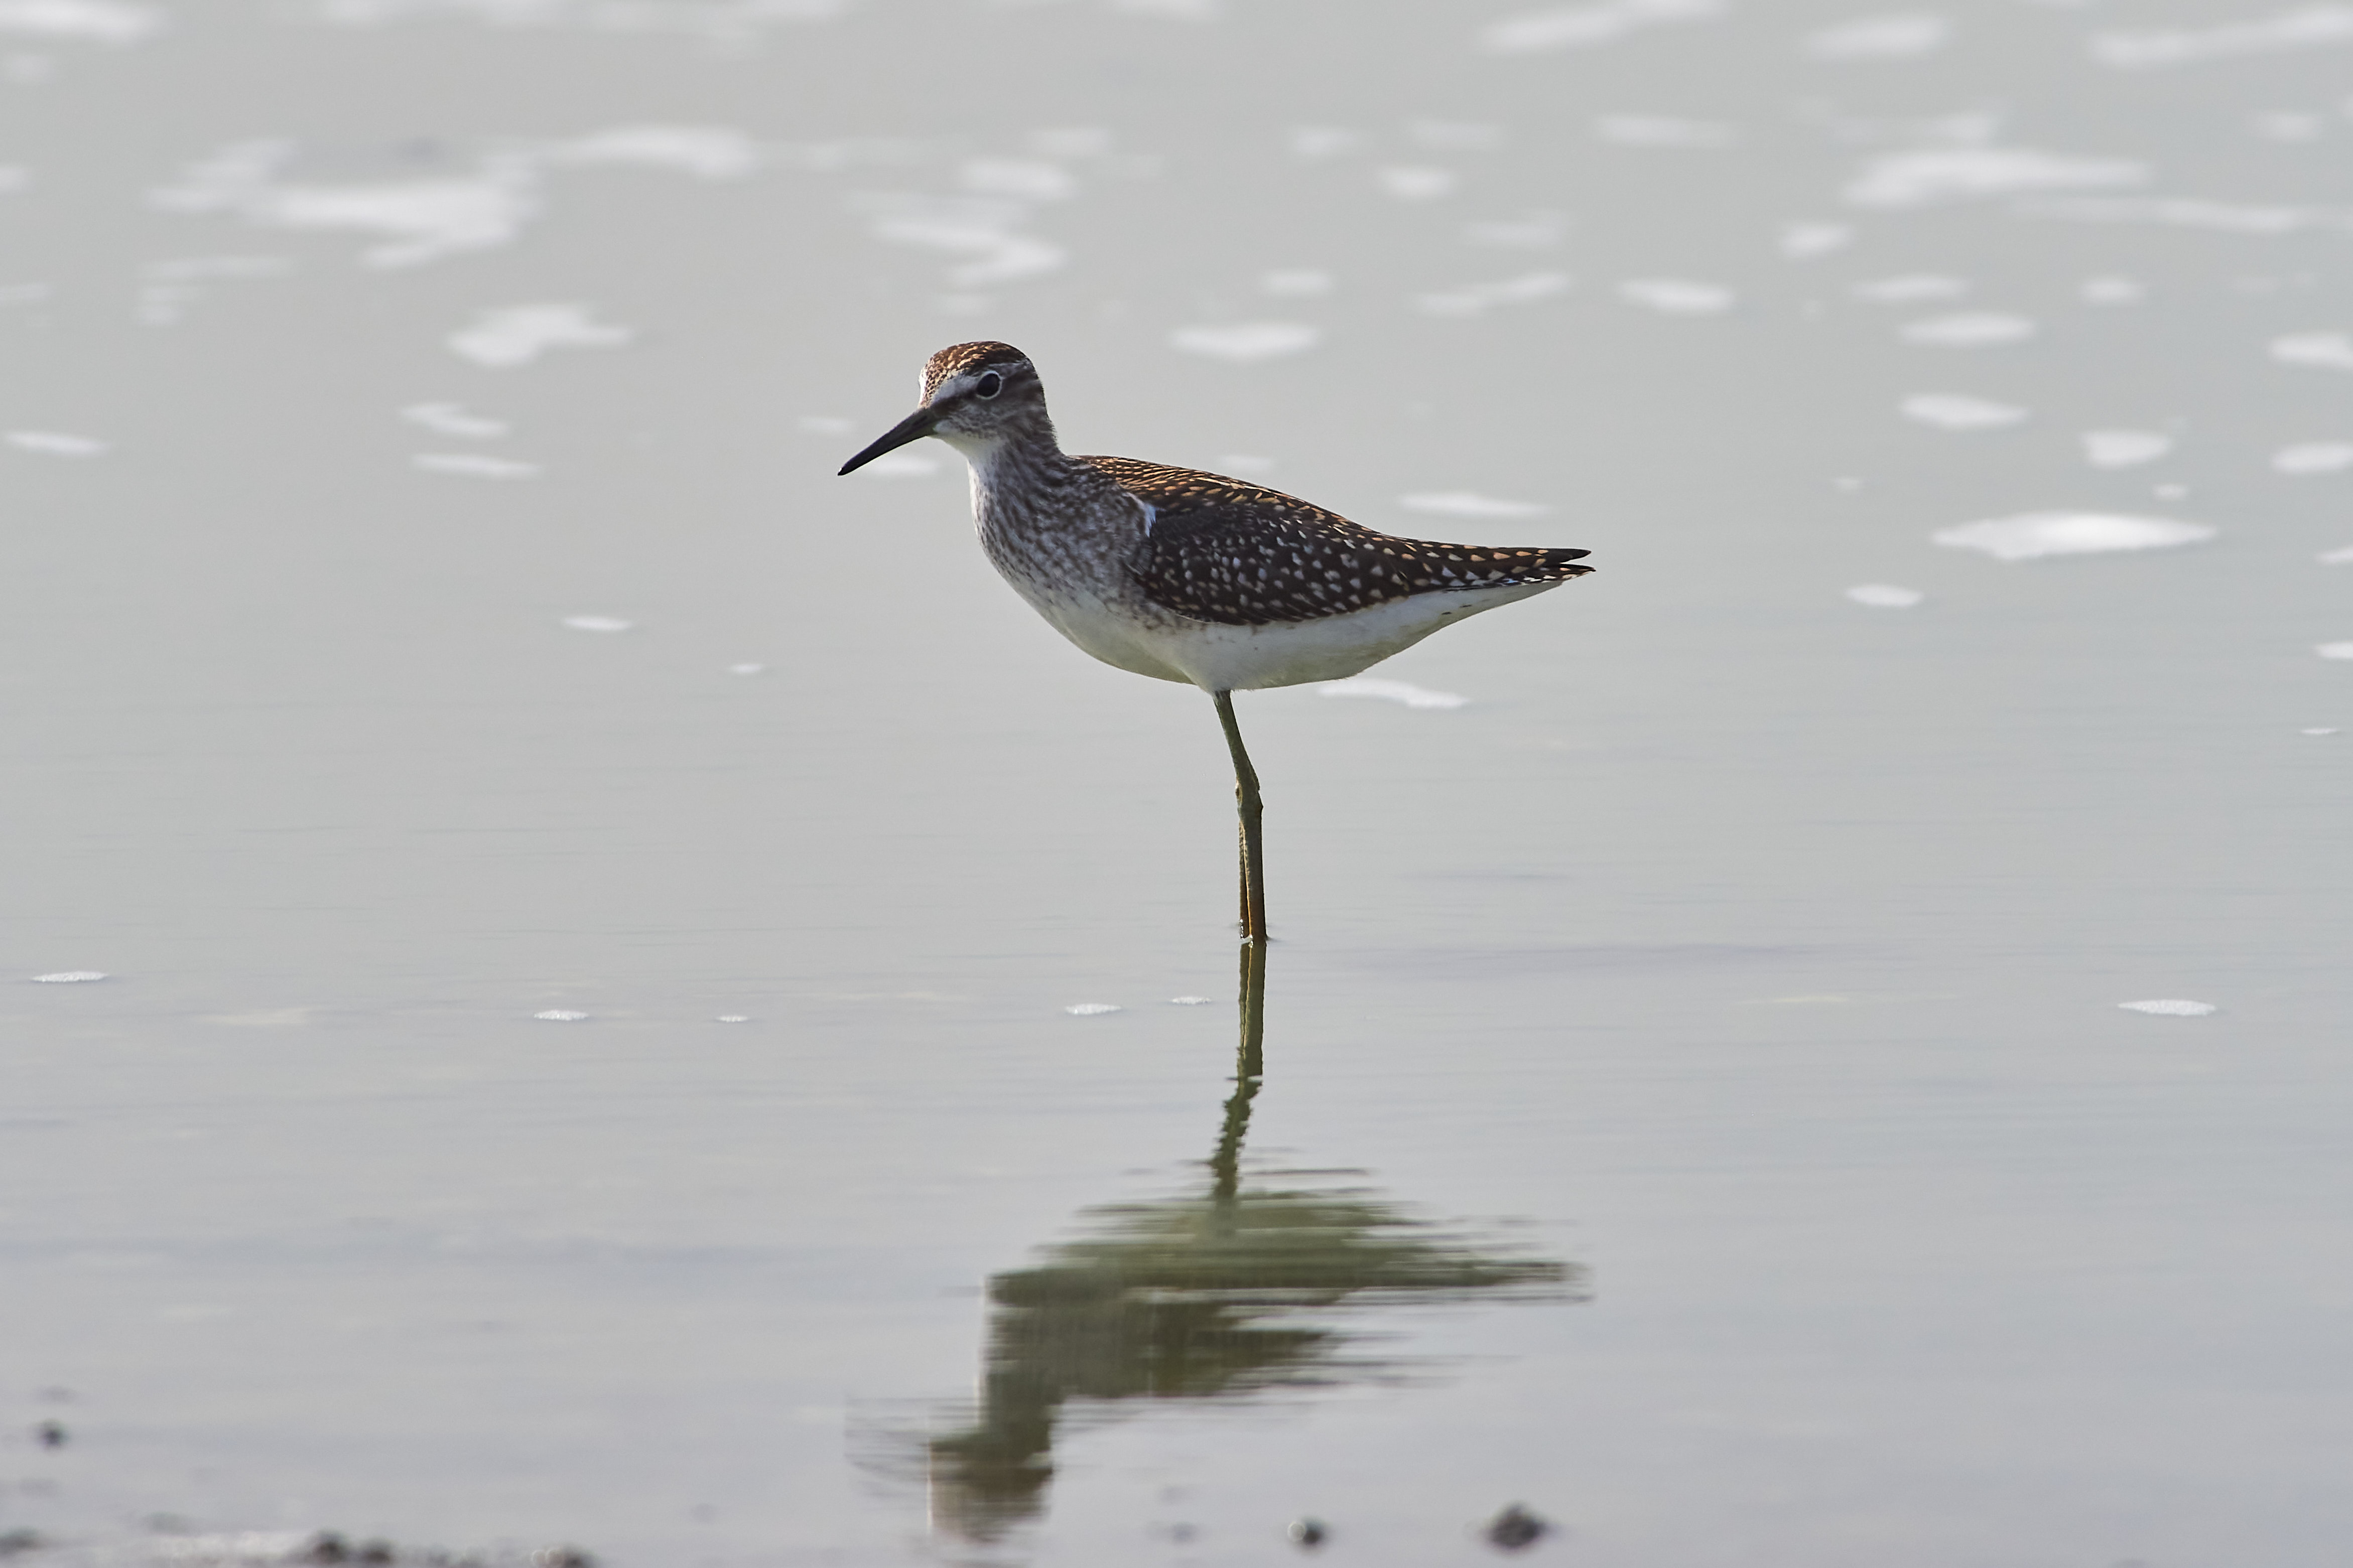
[(1957, 411), (70, 977), (1931, 176), (1188, 1001), (2318, 731), (1970, 330), (473, 465), (721, 21), (1478, 299), (1301, 282), (1470, 503), (97, 21), (2112, 290), (705, 151), (1911, 289), (1092, 1009), (2341, 556), (1664, 131), (747, 669), (1532, 230), (1902, 36), (1677, 295), (450, 419), (2289, 125), (984, 230), (56, 443), (598, 624), (731, 1018), (2314, 457), (2323, 350), (2032, 536), (1584, 27), (560, 1015), (2124, 448), (522, 333), (1417, 181), (2288, 32), (1324, 141), (2334, 650), (1804, 241), (1885, 596), (902, 466), (1246, 342), (2169, 1007), (1392, 691), (2187, 212), (417, 221)]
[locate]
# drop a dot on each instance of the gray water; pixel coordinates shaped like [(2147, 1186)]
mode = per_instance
[(444, 680)]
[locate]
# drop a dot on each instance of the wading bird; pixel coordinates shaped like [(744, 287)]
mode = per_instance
[(1188, 576)]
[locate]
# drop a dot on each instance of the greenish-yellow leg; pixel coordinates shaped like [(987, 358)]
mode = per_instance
[(1253, 844)]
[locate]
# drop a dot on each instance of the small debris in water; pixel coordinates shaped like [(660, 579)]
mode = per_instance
[(51, 1434), (70, 977), (2169, 1007), (1307, 1534), (1092, 1009), (1515, 1528), (560, 1015)]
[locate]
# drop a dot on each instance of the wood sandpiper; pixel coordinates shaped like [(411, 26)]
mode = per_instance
[(1189, 576)]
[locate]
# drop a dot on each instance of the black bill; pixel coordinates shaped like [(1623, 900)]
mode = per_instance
[(914, 427)]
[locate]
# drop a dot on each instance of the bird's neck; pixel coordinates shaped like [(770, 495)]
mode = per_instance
[(1014, 464)]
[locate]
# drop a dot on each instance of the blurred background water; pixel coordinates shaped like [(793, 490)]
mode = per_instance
[(635, 1003)]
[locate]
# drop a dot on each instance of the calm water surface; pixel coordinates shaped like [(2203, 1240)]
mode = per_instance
[(605, 924)]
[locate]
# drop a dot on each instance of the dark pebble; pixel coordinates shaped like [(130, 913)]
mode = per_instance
[(1307, 1534), (1515, 1528), (325, 1547), (51, 1434)]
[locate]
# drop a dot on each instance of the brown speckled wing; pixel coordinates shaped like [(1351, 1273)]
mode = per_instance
[(1234, 554)]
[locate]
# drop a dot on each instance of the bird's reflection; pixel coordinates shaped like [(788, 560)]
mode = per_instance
[(1247, 1284)]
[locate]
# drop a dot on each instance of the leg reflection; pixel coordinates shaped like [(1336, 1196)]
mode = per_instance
[(1232, 1291)]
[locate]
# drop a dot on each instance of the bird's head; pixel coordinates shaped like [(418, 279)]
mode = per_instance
[(975, 395)]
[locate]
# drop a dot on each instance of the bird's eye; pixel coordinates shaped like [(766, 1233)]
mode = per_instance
[(990, 385)]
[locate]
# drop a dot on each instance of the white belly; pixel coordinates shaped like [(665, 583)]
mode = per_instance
[(1289, 653)]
